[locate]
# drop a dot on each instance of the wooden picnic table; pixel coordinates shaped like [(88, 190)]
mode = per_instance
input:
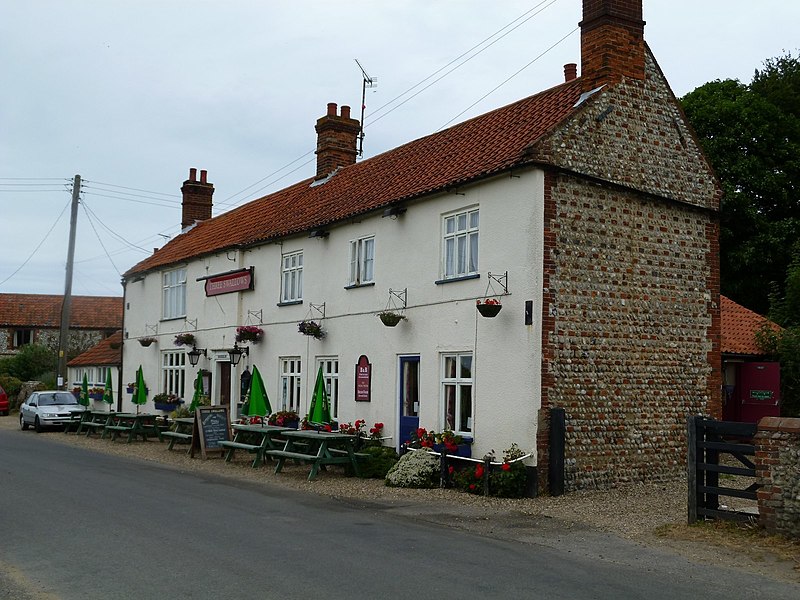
[(133, 424), (318, 448), (264, 436), (182, 432), (94, 421)]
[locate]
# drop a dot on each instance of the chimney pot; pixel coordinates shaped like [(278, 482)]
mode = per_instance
[(570, 71), (203, 176), (331, 109), (345, 112), (192, 174)]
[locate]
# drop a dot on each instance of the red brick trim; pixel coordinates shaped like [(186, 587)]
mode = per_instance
[(548, 328)]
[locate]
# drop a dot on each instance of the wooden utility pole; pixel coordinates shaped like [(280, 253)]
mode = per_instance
[(66, 306)]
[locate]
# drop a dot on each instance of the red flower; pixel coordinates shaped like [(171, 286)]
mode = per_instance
[(327, 428), (506, 467), (450, 469), (478, 471), (451, 447), (472, 486)]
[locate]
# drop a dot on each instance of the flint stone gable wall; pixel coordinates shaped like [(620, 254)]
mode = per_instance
[(634, 133), (630, 313)]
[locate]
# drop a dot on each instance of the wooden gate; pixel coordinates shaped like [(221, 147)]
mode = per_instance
[(707, 440)]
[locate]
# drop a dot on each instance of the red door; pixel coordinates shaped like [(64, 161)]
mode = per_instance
[(759, 387)]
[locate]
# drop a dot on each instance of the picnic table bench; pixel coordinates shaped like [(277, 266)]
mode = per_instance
[(182, 432), (141, 424), (322, 449), (94, 420), (264, 434)]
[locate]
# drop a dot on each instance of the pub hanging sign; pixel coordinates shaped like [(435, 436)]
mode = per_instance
[(363, 379), (240, 280)]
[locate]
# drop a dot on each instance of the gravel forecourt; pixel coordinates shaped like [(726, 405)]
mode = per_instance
[(648, 514)]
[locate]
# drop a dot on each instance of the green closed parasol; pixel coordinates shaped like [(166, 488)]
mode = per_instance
[(319, 413), (140, 393), (259, 401), (198, 391), (108, 392), (83, 396)]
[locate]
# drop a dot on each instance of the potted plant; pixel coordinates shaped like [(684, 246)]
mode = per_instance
[(130, 387), (311, 328), (146, 341), (285, 418), (185, 339), (168, 402), (249, 333), (390, 318), (447, 441), (96, 393), (489, 307)]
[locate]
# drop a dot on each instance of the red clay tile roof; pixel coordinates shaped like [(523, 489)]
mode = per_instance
[(101, 354), (38, 310), (739, 326), (471, 150)]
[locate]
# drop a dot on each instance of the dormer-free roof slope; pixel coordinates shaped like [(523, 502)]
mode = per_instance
[(472, 150), (42, 310), (107, 352), (739, 326)]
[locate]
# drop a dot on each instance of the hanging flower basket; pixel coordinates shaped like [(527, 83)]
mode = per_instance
[(311, 328), (185, 339), (489, 307), (146, 341), (390, 318), (249, 333)]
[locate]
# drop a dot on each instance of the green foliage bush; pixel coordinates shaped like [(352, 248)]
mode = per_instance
[(32, 362), (382, 459), (507, 480)]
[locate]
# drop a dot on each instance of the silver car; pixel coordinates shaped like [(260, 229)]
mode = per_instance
[(50, 408)]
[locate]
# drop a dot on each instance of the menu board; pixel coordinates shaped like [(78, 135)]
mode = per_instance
[(212, 425)]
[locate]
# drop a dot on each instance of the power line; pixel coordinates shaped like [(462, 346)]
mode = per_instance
[(461, 64), (229, 198), (501, 84), (100, 241), (90, 213), (35, 250), (134, 189), (162, 205)]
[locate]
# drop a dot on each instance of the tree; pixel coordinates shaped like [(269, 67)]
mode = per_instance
[(751, 136), (31, 362)]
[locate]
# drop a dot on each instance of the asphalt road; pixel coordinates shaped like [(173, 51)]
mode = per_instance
[(75, 524)]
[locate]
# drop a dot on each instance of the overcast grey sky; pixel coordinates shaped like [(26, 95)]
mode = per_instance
[(132, 93)]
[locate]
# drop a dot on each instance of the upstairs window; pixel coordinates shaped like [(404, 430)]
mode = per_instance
[(174, 294), (292, 277), (362, 261), (460, 244)]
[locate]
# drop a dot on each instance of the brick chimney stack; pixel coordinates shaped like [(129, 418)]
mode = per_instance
[(612, 42), (196, 198), (336, 140), (570, 71)]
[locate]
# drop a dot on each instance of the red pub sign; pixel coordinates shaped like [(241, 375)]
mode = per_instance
[(363, 379), (234, 281)]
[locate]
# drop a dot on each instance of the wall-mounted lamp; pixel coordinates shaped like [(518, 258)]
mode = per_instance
[(319, 233), (394, 212), (194, 355), (236, 353)]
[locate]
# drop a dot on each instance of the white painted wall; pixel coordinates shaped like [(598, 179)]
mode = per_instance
[(75, 376), (441, 318)]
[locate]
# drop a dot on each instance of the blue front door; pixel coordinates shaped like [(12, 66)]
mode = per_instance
[(409, 397)]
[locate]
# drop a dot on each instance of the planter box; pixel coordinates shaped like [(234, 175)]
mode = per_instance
[(167, 406), (129, 389), (96, 396), (464, 450)]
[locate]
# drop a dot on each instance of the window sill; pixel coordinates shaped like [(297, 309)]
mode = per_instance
[(173, 318), (359, 285), (462, 278), (291, 303)]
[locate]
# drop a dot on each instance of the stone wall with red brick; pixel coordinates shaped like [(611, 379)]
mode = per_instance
[(778, 472), (631, 301)]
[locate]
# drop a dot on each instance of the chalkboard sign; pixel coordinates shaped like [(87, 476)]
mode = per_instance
[(212, 425)]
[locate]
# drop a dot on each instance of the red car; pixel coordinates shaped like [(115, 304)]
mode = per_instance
[(4, 406)]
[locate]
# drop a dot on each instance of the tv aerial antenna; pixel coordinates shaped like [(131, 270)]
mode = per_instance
[(366, 82)]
